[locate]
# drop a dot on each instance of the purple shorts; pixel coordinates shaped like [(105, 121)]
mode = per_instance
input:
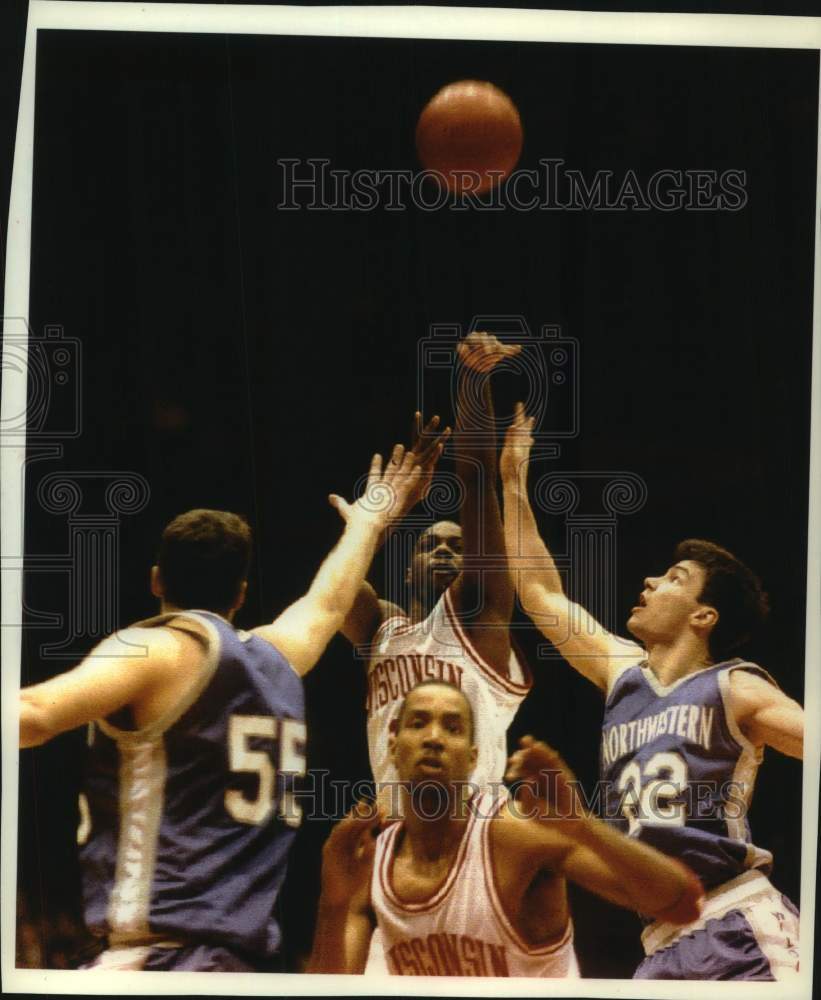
[(199, 957), (756, 942)]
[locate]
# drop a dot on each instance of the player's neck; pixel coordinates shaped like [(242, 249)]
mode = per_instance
[(421, 606), (423, 599), (167, 608), (684, 655), (429, 839)]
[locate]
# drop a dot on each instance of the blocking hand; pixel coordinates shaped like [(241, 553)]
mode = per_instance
[(387, 493), (518, 442), (546, 788)]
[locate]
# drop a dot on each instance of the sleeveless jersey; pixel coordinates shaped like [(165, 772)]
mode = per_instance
[(191, 818), (461, 930), (677, 771), (403, 654)]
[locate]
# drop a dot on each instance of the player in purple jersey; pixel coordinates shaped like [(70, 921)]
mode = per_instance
[(684, 729), (197, 732)]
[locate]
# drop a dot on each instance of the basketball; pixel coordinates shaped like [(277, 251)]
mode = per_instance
[(469, 125)]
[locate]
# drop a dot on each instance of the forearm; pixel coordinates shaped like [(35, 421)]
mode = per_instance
[(34, 728), (480, 515), (331, 953), (328, 953), (650, 882), (342, 574), (531, 562)]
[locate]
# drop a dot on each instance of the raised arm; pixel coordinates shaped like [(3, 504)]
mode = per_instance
[(550, 813), (369, 610), (303, 630), (765, 715), (583, 642), (483, 592), (345, 919)]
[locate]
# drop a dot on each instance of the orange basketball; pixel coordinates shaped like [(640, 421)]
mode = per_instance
[(469, 125)]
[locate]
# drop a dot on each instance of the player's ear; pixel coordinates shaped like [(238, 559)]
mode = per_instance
[(474, 755), (157, 587), (704, 617)]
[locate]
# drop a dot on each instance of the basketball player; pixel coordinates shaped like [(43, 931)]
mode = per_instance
[(472, 884), (197, 733), (460, 599), (461, 594), (685, 724)]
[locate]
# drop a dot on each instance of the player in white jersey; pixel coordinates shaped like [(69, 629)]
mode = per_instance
[(456, 627), (406, 652), (460, 597), (470, 884)]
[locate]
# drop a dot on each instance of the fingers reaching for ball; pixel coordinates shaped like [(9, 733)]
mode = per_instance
[(481, 351)]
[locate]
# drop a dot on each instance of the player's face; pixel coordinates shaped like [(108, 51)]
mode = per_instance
[(434, 742), (437, 558), (668, 604)]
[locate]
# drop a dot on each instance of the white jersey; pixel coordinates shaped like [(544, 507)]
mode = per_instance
[(461, 930), (404, 653)]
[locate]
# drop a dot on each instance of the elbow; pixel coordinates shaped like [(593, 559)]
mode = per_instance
[(34, 727)]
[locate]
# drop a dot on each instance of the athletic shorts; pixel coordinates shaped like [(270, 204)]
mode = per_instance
[(756, 939), (181, 958)]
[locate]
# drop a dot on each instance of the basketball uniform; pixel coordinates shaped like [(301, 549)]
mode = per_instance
[(461, 930), (190, 819), (403, 654), (679, 774)]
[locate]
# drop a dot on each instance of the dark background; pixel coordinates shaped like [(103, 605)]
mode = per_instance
[(241, 357)]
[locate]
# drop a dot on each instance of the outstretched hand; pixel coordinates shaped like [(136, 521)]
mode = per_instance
[(347, 857), (427, 446), (518, 442), (481, 352), (545, 787), (387, 491)]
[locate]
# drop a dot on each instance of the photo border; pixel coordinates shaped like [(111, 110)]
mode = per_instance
[(463, 23)]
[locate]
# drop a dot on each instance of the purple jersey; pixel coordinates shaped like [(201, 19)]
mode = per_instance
[(678, 773), (192, 817)]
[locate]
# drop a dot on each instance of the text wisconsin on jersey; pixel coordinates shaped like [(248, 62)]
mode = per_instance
[(392, 678)]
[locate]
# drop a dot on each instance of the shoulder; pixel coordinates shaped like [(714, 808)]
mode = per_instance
[(167, 644), (750, 687), (626, 661), (140, 642)]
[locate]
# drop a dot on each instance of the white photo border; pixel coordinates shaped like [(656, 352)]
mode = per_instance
[(730, 30)]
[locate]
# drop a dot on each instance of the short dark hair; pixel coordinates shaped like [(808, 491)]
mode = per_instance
[(203, 559), (732, 589), (445, 684)]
